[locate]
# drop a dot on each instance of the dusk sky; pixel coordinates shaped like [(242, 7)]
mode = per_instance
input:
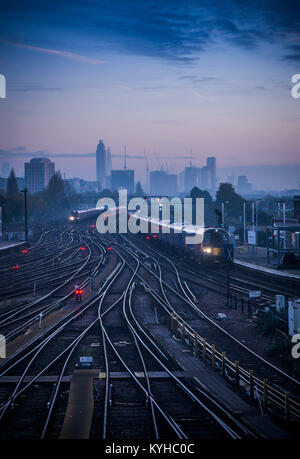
[(170, 76)]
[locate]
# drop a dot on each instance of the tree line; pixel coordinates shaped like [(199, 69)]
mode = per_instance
[(51, 204), (56, 201)]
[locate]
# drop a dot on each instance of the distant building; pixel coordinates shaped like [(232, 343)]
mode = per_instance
[(297, 207), (108, 161), (230, 179), (172, 184), (211, 165), (243, 186), (5, 170), (20, 183), (205, 178), (122, 179), (79, 185), (3, 184), (101, 164), (162, 184), (38, 173), (180, 182), (74, 184), (191, 178), (108, 169)]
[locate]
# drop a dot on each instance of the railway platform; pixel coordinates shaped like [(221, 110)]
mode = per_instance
[(257, 260), (79, 414), (34, 330)]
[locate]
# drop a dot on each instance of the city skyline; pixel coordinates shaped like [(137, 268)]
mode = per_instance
[(263, 178), (169, 78)]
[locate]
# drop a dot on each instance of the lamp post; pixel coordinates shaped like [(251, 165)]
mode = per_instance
[(256, 217), (223, 213), (25, 213), (284, 221), (244, 222), (253, 228), (284, 218)]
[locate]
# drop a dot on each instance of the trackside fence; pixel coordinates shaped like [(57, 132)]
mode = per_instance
[(269, 399)]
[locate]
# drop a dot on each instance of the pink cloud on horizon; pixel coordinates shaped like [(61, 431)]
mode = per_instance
[(66, 54)]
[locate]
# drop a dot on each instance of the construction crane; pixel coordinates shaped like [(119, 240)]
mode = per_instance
[(159, 162)]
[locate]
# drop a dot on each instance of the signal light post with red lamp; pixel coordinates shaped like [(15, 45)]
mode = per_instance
[(78, 295)]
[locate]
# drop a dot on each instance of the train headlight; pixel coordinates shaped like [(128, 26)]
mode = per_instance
[(207, 250), (72, 218)]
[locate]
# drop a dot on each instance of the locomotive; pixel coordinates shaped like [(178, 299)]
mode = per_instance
[(207, 244)]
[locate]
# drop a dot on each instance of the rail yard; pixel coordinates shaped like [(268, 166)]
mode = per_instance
[(115, 337)]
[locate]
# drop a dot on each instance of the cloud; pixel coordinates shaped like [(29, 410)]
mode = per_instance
[(22, 152), (170, 29), (129, 156), (121, 86), (66, 54), (25, 88), (294, 54), (196, 79)]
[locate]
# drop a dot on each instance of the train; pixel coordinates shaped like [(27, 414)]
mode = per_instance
[(77, 216), (209, 246), (210, 243)]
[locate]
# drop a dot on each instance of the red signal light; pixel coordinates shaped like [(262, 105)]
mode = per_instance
[(109, 248), (16, 267), (82, 248), (24, 251), (92, 226), (78, 293), (154, 235), (147, 237)]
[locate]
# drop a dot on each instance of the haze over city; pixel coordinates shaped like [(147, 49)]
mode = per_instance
[(172, 78)]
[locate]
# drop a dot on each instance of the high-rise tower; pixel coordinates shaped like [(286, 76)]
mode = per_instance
[(101, 164)]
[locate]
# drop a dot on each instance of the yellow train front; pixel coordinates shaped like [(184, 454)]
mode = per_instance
[(211, 245), (200, 244)]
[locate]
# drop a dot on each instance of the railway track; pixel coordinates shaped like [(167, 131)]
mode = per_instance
[(138, 402), (189, 417), (224, 340), (49, 355)]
